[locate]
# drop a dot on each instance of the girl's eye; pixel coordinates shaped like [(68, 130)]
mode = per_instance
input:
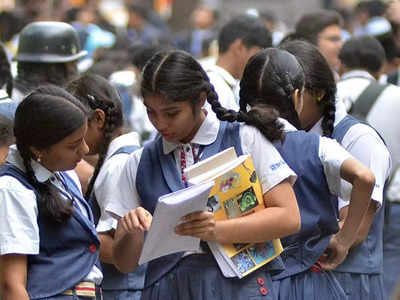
[(172, 114)]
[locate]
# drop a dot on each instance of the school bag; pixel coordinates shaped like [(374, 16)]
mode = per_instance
[(366, 100)]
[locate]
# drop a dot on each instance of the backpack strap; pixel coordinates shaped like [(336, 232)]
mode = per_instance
[(366, 100)]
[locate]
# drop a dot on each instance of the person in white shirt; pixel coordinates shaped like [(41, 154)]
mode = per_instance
[(48, 242), (174, 89), (238, 40), (362, 59), (274, 77), (105, 137), (364, 262)]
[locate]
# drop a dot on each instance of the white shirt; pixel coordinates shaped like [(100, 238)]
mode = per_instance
[(264, 154), (226, 87), (332, 156), (363, 143), (384, 114), (19, 232), (107, 179)]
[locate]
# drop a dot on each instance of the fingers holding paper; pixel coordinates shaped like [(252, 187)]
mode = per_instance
[(137, 220), (199, 224)]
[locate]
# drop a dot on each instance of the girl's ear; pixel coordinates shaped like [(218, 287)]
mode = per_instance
[(203, 99), (298, 100), (98, 118)]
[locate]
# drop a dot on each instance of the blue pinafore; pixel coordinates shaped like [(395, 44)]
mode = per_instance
[(67, 252), (361, 274), (303, 278), (195, 276)]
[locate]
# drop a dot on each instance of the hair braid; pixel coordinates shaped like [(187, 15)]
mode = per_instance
[(328, 119), (50, 203), (110, 120), (262, 117)]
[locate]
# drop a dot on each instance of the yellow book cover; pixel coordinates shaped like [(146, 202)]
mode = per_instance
[(237, 192)]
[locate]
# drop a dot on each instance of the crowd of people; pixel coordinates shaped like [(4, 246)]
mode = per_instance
[(98, 121)]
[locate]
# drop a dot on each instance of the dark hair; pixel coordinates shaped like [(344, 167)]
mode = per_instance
[(142, 53), (364, 52), (319, 78), (95, 92), (270, 78), (45, 117), (6, 131), (311, 24), (31, 75), (251, 30), (374, 8), (5, 71), (177, 76), (389, 44)]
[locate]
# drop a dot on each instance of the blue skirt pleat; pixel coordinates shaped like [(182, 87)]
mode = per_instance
[(309, 285), (362, 286), (198, 277)]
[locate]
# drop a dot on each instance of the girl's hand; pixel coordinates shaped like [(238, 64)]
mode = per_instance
[(337, 254), (137, 220), (199, 224)]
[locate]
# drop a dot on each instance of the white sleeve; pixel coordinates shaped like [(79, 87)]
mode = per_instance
[(126, 196), (270, 166), (104, 188), (332, 156), (19, 232), (369, 149)]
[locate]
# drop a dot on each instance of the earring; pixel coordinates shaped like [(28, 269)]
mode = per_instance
[(39, 159), (319, 99)]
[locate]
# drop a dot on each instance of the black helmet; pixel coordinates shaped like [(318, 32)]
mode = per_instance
[(48, 42)]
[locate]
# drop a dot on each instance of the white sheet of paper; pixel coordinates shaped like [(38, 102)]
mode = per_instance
[(161, 239)]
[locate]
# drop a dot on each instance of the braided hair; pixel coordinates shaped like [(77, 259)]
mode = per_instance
[(177, 76), (44, 118), (319, 79), (95, 92), (270, 78)]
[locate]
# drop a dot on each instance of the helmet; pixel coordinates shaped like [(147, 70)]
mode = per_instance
[(48, 42)]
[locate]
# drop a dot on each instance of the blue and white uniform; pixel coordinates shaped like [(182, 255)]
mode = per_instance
[(116, 285), (316, 189), (59, 257), (361, 274), (154, 171)]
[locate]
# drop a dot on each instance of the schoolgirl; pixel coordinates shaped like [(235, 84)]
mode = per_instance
[(274, 77), (105, 137), (49, 246), (361, 273), (174, 89)]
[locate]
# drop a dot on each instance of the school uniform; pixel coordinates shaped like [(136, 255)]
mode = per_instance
[(155, 170), (225, 85), (316, 189), (61, 259), (116, 285), (361, 274)]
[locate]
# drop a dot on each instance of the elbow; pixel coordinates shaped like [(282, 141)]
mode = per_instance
[(367, 180)]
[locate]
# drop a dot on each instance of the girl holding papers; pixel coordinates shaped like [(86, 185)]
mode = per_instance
[(175, 89)]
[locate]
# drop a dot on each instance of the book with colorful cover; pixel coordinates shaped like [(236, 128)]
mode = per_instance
[(237, 192)]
